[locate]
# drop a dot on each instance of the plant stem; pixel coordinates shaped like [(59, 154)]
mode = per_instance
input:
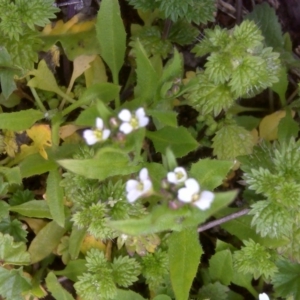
[(167, 28), (36, 97), (223, 220)]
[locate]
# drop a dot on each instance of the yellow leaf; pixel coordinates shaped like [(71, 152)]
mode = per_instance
[(10, 143), (268, 126), (35, 224), (41, 136), (96, 73), (90, 242), (67, 130)]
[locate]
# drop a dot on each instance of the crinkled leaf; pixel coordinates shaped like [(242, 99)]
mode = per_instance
[(13, 283), (14, 228), (34, 208), (55, 197), (18, 121), (45, 241), (13, 252), (55, 288), (213, 291), (12, 175), (184, 256), (178, 139), (111, 36), (210, 173), (231, 141)]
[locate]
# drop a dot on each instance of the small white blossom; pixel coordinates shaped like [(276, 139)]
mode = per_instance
[(132, 122), (137, 188), (97, 135), (263, 296), (178, 176), (191, 194)]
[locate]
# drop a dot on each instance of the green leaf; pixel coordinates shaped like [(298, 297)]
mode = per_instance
[(184, 256), (232, 141), (34, 208), (54, 197), (14, 228), (18, 121), (280, 87), (11, 252), (128, 295), (55, 288), (106, 164), (13, 283), (287, 280), (178, 139), (162, 297), (76, 238), (147, 78), (45, 241), (163, 118), (111, 36), (288, 128), (244, 280), (4, 210), (12, 175), (88, 117), (35, 164), (265, 17), (213, 291), (221, 267), (104, 91), (210, 173), (74, 269)]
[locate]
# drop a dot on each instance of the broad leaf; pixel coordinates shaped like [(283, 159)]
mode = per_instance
[(288, 128), (55, 288), (178, 139), (34, 208), (4, 210), (210, 173), (111, 36), (13, 283), (45, 241), (162, 118), (213, 291), (55, 197), (18, 121), (13, 253), (73, 269), (184, 257), (128, 295)]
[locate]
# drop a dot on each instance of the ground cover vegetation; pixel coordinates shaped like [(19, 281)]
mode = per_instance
[(149, 150)]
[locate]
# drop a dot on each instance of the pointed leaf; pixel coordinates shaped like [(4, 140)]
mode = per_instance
[(184, 257), (55, 288), (178, 139), (54, 197), (34, 208), (18, 121), (45, 241), (111, 36)]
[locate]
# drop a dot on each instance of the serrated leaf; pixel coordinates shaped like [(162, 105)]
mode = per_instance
[(13, 283), (265, 17), (55, 288), (147, 78), (287, 280), (178, 139), (45, 241), (34, 208), (18, 121), (54, 197), (14, 228), (13, 252), (221, 267), (111, 36), (4, 210), (184, 256), (106, 164), (213, 291), (12, 175), (210, 173), (232, 141)]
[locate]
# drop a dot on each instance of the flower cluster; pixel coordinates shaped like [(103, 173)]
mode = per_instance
[(130, 122), (190, 193)]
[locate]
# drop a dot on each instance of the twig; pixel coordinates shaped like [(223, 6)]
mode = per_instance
[(223, 220)]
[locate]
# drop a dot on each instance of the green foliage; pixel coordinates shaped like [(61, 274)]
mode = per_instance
[(213, 291), (20, 197), (14, 228), (101, 277), (256, 260)]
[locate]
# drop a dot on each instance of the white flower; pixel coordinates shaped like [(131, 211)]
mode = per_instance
[(137, 188), (263, 296), (191, 194), (178, 176), (132, 122), (97, 135)]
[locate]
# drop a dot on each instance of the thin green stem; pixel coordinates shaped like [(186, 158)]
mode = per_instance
[(36, 97)]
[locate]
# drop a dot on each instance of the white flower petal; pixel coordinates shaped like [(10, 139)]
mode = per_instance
[(99, 123), (144, 174), (185, 195), (171, 177), (192, 185), (144, 121), (105, 134), (147, 186), (263, 296), (125, 115), (126, 128), (90, 137), (140, 113), (131, 184), (133, 195), (205, 200)]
